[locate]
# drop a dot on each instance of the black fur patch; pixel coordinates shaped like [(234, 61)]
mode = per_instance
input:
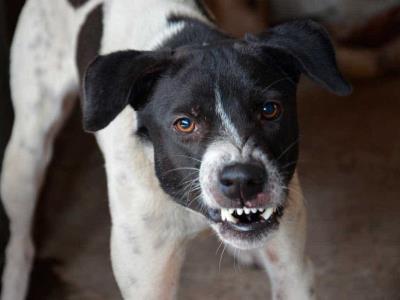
[(77, 3), (46, 282), (89, 39)]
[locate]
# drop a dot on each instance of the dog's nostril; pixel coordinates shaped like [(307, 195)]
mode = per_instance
[(227, 182), (254, 182)]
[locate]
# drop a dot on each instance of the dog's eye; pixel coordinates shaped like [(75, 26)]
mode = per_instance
[(185, 125), (271, 111)]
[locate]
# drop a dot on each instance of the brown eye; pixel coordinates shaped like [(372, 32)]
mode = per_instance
[(271, 111), (185, 125)]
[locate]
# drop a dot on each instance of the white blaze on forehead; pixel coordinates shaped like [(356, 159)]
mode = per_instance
[(225, 119)]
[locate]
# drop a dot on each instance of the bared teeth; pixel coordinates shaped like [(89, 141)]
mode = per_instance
[(268, 213), (226, 215), (231, 214), (231, 218)]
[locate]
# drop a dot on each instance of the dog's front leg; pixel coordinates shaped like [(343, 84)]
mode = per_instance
[(146, 261), (149, 230), (290, 271)]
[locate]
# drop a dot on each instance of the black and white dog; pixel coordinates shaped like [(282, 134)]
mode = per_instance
[(197, 129)]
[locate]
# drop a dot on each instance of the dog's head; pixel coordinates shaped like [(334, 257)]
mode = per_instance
[(221, 119)]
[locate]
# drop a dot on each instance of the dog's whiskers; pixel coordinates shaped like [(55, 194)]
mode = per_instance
[(187, 156), (220, 259), (180, 169), (220, 244)]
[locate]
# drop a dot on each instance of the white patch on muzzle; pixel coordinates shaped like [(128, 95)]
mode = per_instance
[(224, 153)]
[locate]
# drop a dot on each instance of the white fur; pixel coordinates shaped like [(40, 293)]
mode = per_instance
[(149, 230), (226, 120)]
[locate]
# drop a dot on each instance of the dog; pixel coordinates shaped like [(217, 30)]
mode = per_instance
[(198, 130)]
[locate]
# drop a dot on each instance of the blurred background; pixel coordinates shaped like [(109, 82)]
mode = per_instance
[(349, 167)]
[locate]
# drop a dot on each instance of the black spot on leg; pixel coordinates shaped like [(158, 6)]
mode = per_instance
[(131, 239), (312, 291), (36, 42), (135, 245), (28, 148), (136, 250), (160, 242), (39, 72), (147, 219), (279, 296), (132, 281)]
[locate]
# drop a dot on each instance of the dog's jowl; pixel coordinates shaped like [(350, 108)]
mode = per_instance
[(198, 130)]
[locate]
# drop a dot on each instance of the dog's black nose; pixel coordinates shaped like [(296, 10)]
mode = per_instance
[(242, 181)]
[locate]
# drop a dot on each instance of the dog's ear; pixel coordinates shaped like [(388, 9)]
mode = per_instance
[(308, 45), (113, 81)]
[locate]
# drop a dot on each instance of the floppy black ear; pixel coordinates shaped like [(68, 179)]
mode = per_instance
[(308, 43), (113, 81)]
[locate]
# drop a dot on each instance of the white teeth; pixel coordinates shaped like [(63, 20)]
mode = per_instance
[(226, 215), (223, 216), (231, 219), (267, 214)]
